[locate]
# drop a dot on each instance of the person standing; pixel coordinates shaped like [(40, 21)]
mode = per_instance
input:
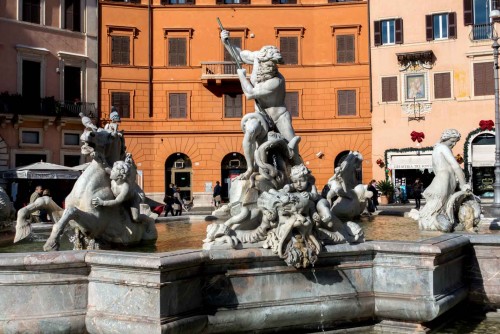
[(372, 186), (177, 206), (417, 192), (35, 216), (169, 200), (217, 194)]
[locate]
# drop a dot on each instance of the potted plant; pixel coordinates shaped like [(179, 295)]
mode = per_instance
[(386, 189)]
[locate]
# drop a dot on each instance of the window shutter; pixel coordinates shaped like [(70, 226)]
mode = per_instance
[(244, 2), (125, 50), (292, 103), (345, 49), (232, 106), (442, 85), (341, 49), (429, 33), (346, 102), (219, 2), (483, 79), (452, 25), (182, 105), (115, 48), (468, 12), (389, 89), (177, 55), (234, 41), (173, 105), (68, 24), (121, 101), (190, 2), (377, 37), (289, 50), (276, 2), (399, 31)]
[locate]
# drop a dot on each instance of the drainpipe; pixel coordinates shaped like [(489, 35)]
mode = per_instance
[(150, 58), (370, 57)]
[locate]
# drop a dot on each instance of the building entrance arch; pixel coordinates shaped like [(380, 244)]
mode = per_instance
[(232, 165), (179, 171)]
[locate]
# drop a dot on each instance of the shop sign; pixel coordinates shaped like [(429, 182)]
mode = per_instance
[(410, 161)]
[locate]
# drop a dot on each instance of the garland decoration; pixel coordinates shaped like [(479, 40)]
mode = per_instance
[(403, 150), (471, 134)]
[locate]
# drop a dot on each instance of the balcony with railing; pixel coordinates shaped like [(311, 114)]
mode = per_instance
[(481, 32), (221, 70), (16, 104)]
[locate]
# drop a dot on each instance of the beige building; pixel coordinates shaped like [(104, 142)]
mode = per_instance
[(432, 69), (48, 52)]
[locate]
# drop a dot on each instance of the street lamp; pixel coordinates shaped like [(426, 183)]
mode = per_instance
[(496, 186)]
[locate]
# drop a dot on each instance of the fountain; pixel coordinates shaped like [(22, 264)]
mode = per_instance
[(283, 261)]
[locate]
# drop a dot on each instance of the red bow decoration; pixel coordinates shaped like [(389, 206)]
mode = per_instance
[(486, 125), (417, 136)]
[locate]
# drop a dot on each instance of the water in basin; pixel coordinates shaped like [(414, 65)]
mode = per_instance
[(188, 234)]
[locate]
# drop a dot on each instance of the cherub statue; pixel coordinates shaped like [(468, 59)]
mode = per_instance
[(303, 183), (115, 121), (125, 189)]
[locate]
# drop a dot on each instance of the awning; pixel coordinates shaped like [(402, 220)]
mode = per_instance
[(483, 155), (415, 161), (42, 171)]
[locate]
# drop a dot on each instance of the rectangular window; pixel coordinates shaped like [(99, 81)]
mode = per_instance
[(71, 160), (484, 83), (440, 26), (232, 2), (177, 2), (121, 101), (72, 15), (177, 52), (389, 89), (233, 106), (28, 159), (31, 76), (72, 84), (31, 11), (387, 32), (231, 68), (292, 103), (345, 49), (284, 2), (289, 48), (177, 105), (30, 137), (120, 50), (346, 105), (442, 85), (71, 139)]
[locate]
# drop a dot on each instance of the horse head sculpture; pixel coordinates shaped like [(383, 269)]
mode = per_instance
[(112, 223)]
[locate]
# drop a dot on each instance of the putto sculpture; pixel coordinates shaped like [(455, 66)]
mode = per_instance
[(448, 209), (275, 203), (105, 206)]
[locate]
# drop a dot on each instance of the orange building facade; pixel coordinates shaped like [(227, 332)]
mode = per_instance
[(164, 69)]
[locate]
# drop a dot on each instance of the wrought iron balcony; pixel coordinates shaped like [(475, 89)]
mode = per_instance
[(482, 32), (71, 109), (20, 105), (219, 70)]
